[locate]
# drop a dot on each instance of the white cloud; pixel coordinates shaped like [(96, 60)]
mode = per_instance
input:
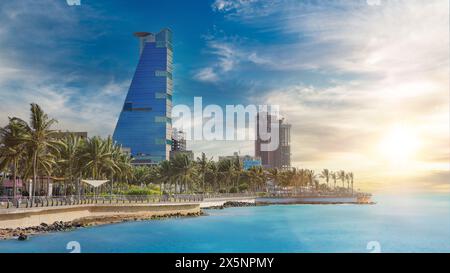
[(345, 36), (206, 74), (227, 5), (398, 54), (35, 67)]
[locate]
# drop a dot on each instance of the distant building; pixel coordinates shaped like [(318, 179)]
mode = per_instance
[(62, 134), (247, 161), (145, 123), (189, 154), (280, 157), (178, 140), (285, 145), (179, 145)]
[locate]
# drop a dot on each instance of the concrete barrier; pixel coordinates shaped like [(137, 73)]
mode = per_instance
[(35, 216)]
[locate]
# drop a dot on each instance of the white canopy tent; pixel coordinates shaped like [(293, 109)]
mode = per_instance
[(95, 183)]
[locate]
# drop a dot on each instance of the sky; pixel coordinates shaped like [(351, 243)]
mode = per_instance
[(364, 83)]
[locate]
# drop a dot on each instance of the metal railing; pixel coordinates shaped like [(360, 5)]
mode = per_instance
[(305, 194), (56, 201), (228, 195)]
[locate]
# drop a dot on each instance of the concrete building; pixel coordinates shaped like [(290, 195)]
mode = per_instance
[(179, 144), (280, 157)]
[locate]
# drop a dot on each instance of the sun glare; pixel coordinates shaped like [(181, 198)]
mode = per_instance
[(399, 145)]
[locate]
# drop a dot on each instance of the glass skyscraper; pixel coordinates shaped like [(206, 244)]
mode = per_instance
[(145, 126)]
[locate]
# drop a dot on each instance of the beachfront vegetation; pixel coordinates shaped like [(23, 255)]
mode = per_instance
[(32, 150)]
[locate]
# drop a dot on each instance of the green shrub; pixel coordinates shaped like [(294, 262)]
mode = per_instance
[(243, 187), (136, 190)]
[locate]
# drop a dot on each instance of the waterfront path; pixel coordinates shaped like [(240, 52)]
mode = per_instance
[(103, 209)]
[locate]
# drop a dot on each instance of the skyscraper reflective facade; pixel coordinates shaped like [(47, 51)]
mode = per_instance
[(145, 124)]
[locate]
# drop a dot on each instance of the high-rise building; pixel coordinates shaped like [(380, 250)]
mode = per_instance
[(281, 156), (285, 145), (178, 140), (145, 125), (179, 145)]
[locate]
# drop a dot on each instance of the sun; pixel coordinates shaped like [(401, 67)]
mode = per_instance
[(400, 144)]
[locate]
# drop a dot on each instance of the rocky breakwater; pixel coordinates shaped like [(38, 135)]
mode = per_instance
[(23, 234), (234, 204)]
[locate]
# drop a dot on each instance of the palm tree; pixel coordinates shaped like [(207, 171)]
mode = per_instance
[(184, 170), (226, 172), (69, 161), (123, 162), (238, 170), (341, 176), (326, 175), (165, 174), (256, 177), (11, 150), (334, 177), (203, 165), (311, 178), (141, 175), (276, 176), (39, 138), (302, 178), (351, 179), (347, 178), (213, 171)]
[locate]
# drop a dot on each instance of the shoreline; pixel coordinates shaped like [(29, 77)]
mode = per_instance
[(23, 233)]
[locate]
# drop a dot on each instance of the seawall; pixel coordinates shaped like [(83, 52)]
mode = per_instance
[(22, 218), (217, 202)]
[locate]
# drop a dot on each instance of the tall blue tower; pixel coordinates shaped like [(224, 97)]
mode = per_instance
[(145, 125)]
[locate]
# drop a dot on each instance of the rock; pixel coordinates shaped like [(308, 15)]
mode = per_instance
[(230, 204), (22, 237), (44, 225)]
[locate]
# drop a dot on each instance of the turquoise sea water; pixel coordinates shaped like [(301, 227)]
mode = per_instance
[(410, 224)]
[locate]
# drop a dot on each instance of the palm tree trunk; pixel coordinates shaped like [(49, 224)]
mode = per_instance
[(203, 182), (15, 180), (33, 182), (112, 184)]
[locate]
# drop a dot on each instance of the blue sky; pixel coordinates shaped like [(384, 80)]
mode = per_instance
[(346, 74)]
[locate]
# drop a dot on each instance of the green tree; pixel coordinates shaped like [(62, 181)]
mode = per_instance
[(12, 150), (69, 160), (326, 175), (184, 170), (165, 173), (226, 173), (203, 164), (351, 180), (341, 176), (39, 139), (334, 177)]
